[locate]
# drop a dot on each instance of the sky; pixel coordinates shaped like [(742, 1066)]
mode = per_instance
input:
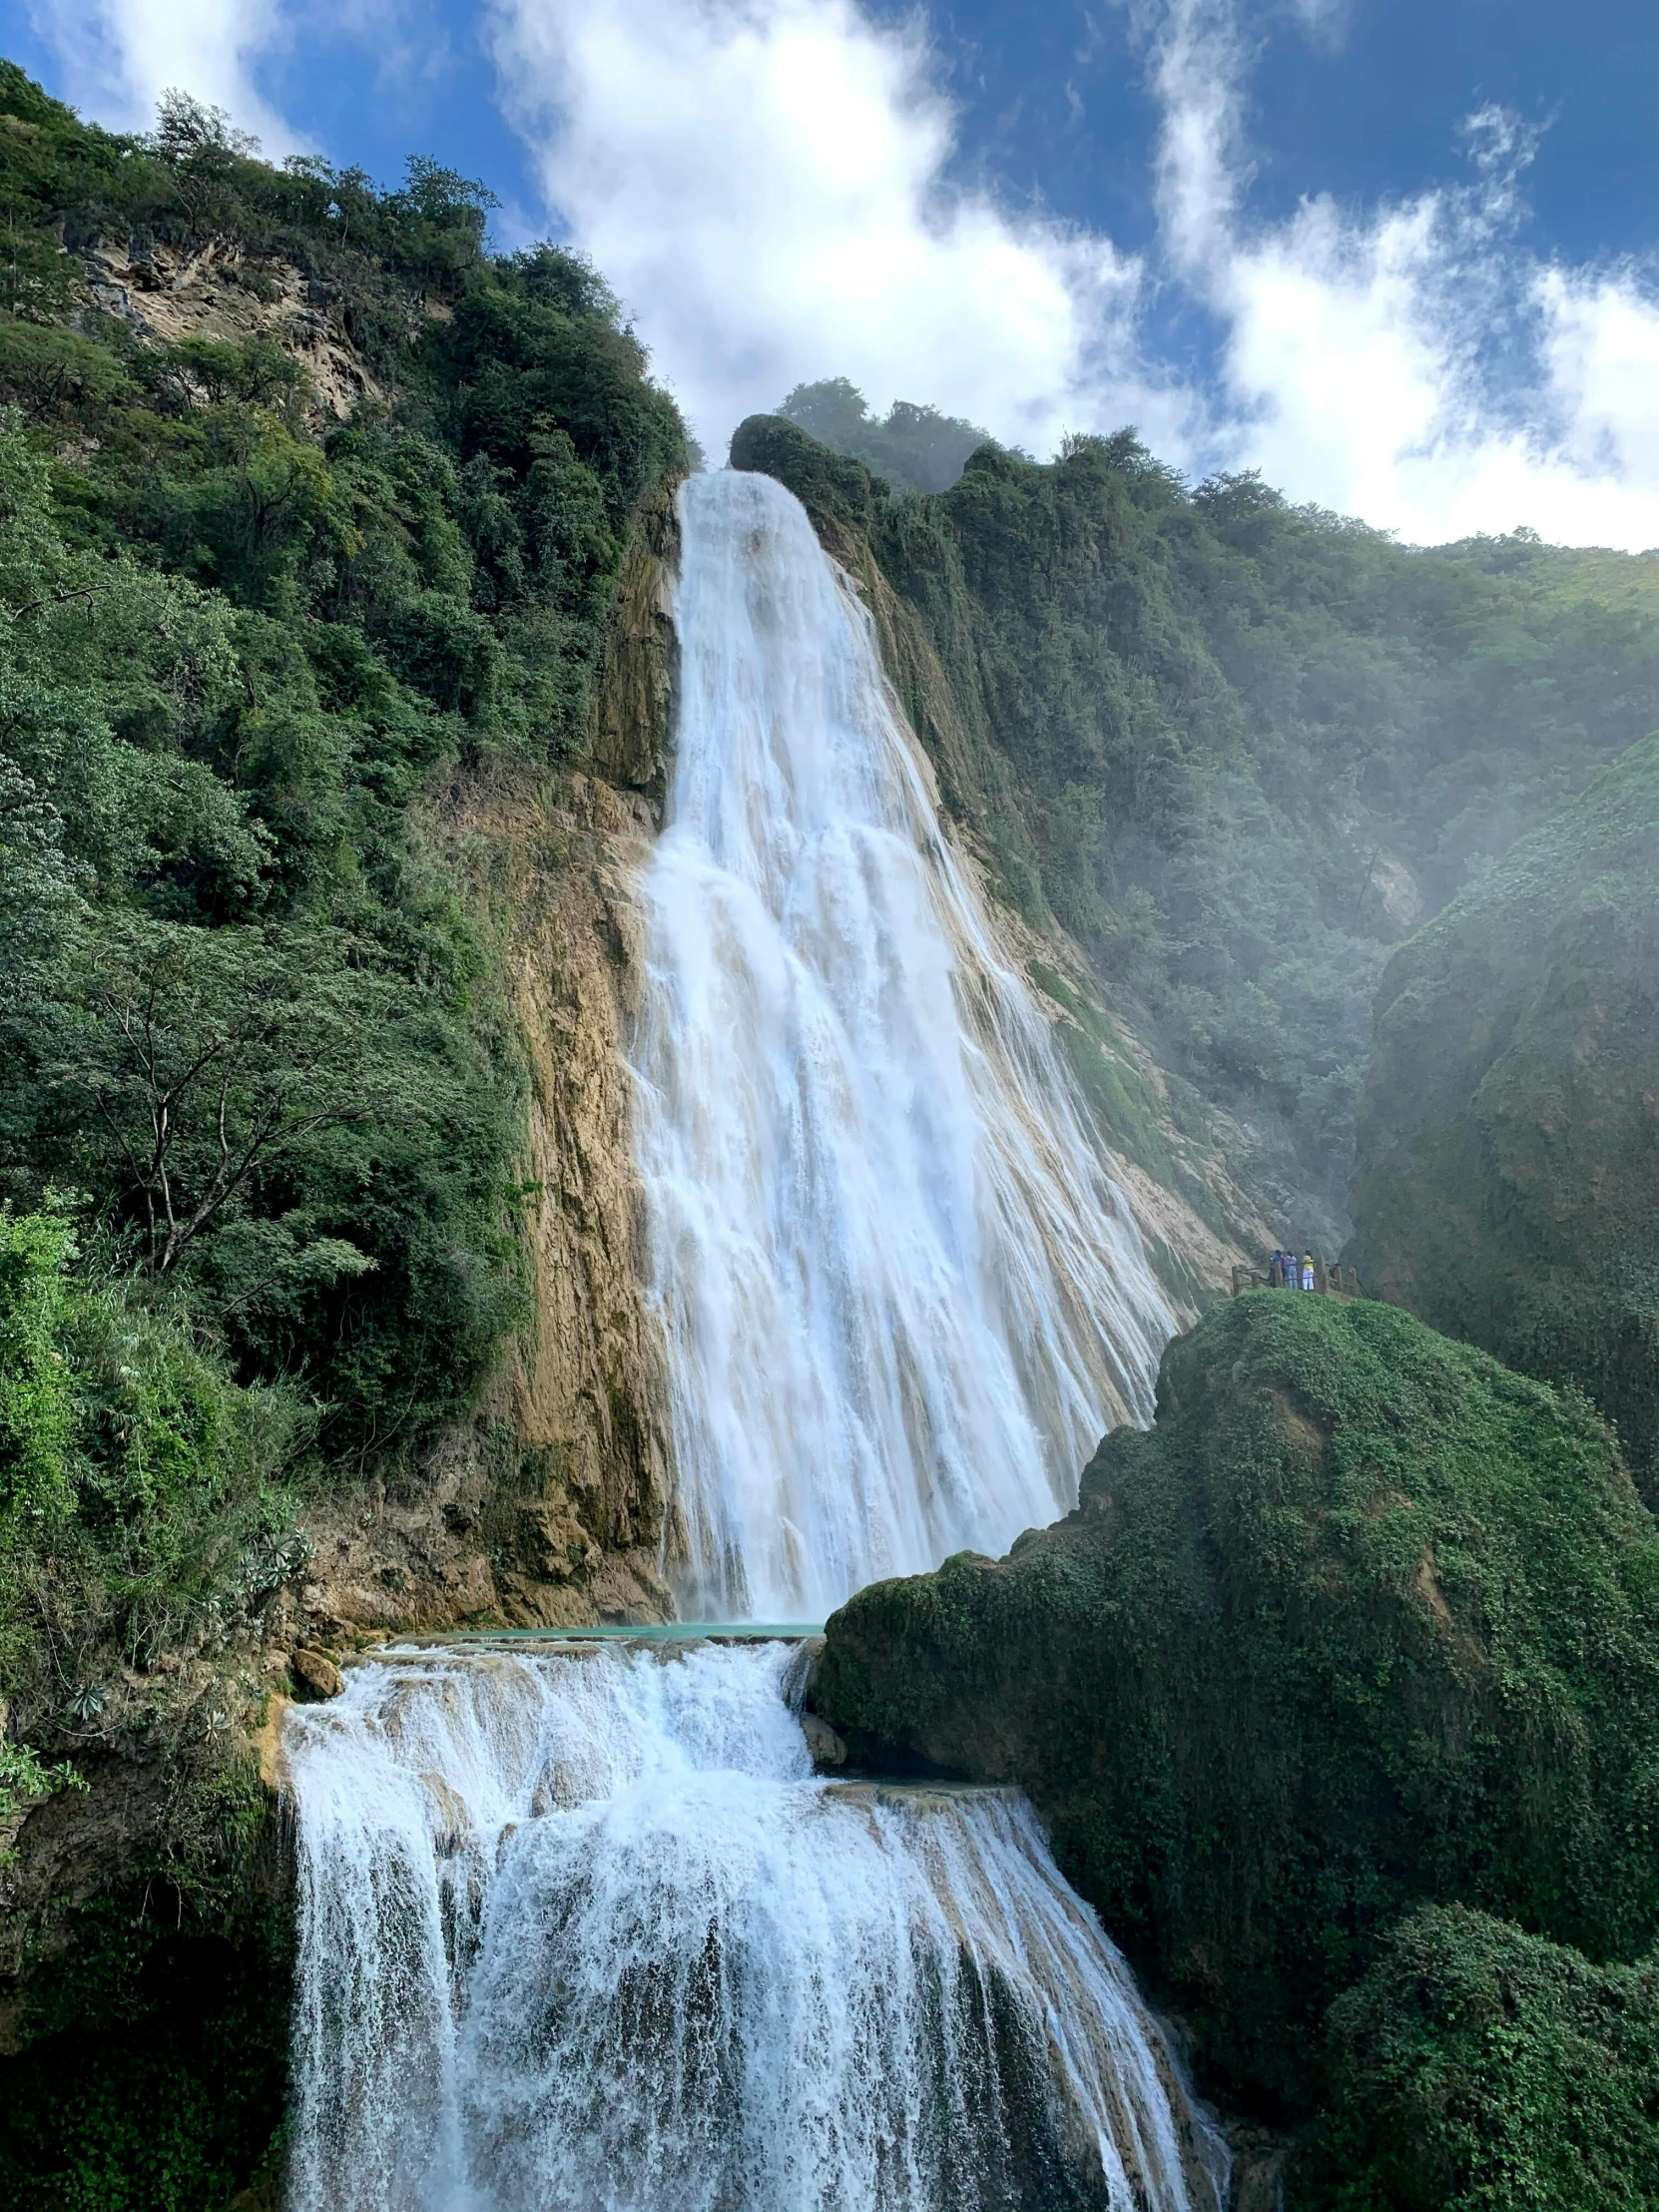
[(1401, 256)]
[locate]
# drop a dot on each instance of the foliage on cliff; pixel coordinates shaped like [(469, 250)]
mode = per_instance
[(148, 2058), (261, 1105), (1238, 746), (248, 1023), (1507, 1179), (916, 448), (1365, 1620), (1477, 2069)]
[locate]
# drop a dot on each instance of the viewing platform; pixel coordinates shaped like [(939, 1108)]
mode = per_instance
[(1330, 1279)]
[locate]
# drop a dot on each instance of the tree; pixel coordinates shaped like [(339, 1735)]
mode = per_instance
[(203, 1059)]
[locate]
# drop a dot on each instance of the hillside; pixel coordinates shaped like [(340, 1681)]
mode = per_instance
[(1238, 750), (334, 683), (1507, 1180), (1364, 1623)]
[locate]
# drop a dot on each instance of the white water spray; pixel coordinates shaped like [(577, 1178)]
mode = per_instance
[(581, 1932), (901, 1297)]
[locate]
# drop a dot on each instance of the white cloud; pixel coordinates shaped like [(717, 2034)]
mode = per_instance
[(119, 56), (767, 184), (1360, 353), (763, 182)]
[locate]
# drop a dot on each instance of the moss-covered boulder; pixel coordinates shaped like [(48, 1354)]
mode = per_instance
[(1365, 1621), (1477, 2068), (1507, 1170)]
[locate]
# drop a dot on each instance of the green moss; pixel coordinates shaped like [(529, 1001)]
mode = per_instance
[(1365, 1620), (1477, 2068), (1508, 1182)]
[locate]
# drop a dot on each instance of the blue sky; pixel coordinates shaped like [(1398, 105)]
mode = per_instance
[(1399, 254)]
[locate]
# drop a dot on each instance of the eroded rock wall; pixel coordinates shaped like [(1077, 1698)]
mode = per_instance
[(553, 1506)]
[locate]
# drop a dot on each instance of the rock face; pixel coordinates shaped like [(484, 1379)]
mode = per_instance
[(553, 1506), (1363, 1620), (216, 291), (1507, 1179)]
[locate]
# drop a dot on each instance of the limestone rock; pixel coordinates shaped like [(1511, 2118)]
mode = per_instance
[(317, 1672), (827, 1748)]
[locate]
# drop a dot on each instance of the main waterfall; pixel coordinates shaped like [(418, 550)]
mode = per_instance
[(901, 1297), (581, 1932)]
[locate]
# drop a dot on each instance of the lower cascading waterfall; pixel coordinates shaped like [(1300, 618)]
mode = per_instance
[(580, 1930), (902, 1296)]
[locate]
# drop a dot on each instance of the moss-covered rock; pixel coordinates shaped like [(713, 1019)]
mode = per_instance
[(1507, 1179), (1365, 1621), (1477, 2068)]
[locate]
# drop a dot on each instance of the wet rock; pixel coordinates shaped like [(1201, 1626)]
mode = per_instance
[(826, 1746), (317, 1672)]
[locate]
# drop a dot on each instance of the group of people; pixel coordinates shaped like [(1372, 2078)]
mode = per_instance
[(1286, 1272)]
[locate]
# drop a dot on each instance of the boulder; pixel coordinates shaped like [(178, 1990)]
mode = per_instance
[(317, 1672)]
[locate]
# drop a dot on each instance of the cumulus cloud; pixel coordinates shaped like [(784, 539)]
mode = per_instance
[(769, 186), (1412, 364), (119, 56), (765, 183)]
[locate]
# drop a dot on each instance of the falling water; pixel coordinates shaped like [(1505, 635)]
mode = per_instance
[(903, 1299), (580, 1929)]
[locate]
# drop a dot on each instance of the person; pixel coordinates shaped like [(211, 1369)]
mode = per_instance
[(1306, 1271), (1276, 1271)]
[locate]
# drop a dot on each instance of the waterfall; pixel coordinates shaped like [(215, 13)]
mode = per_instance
[(581, 1932), (901, 1297)]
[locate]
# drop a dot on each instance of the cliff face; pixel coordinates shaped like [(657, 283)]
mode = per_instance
[(1181, 1166), (553, 1505), (1507, 1178), (1363, 1620)]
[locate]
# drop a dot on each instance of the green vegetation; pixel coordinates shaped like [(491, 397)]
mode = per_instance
[(1478, 2069), (1365, 1621), (1507, 1180), (153, 2054), (914, 447), (253, 1052), (1236, 747), (261, 1102)]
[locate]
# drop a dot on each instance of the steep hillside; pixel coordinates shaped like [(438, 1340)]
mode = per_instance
[(1507, 1179), (334, 684), (1236, 749)]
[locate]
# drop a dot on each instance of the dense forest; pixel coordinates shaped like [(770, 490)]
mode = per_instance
[(261, 1113), (1237, 747)]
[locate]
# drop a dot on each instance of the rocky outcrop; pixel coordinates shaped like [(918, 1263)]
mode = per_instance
[(553, 1506), (1363, 1620), (215, 290), (1506, 1187)]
